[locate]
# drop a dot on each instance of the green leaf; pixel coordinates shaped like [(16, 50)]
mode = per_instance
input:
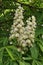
[(41, 47), (34, 52), (14, 50), (23, 63), (10, 53), (33, 63), (5, 41), (13, 53), (27, 58), (40, 43), (1, 56), (39, 31), (35, 3), (13, 62), (38, 63)]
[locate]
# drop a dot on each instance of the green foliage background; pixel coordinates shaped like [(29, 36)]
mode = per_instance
[(8, 53)]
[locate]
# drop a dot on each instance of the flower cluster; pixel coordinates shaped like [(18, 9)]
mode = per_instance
[(25, 34)]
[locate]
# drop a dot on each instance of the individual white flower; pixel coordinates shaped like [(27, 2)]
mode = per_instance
[(42, 25), (22, 52), (19, 26), (16, 16), (32, 40), (21, 17), (21, 22), (17, 35), (42, 36), (15, 29), (33, 18), (11, 43), (28, 28), (30, 23), (33, 22), (29, 18), (19, 49), (21, 8), (14, 24), (24, 44), (24, 36), (11, 36), (21, 31), (11, 31), (28, 41), (18, 20), (31, 35)]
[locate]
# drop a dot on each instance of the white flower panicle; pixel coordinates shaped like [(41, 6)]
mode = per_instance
[(17, 23), (25, 34)]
